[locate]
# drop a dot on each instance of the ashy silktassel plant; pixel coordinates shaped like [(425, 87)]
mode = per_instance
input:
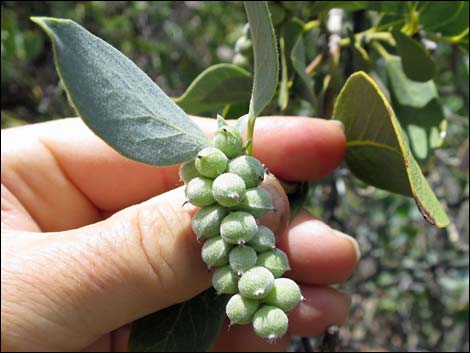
[(390, 135)]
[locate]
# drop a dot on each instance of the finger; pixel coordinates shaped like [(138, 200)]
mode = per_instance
[(65, 158), (317, 253), (321, 308), (84, 283)]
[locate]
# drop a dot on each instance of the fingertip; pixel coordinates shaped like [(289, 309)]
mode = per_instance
[(317, 253), (321, 308), (297, 148)]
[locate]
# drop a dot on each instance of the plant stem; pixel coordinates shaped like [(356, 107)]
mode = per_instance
[(383, 36), (250, 132), (380, 49)]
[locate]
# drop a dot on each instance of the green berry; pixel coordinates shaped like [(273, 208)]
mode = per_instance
[(240, 310), (244, 46), (246, 30), (270, 322), (242, 258), (228, 189), (238, 228), (257, 201), (241, 60), (256, 283), (199, 192), (275, 261), (285, 294), (264, 240), (215, 252), (188, 171), (249, 169), (229, 140), (207, 221), (211, 162), (225, 281)]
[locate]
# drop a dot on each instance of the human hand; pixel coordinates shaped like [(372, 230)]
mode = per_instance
[(84, 255)]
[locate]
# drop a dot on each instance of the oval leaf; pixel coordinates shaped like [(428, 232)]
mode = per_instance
[(417, 107), (377, 150), (436, 15), (266, 66), (417, 62), (216, 87), (191, 326), (118, 101)]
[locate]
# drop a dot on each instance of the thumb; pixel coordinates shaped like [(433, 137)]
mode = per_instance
[(105, 275)]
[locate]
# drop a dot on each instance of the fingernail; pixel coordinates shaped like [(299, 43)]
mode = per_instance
[(338, 122), (353, 242)]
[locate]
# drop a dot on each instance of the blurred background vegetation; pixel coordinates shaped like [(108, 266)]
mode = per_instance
[(411, 289)]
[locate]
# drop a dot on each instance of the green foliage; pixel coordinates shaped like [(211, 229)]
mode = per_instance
[(93, 72), (377, 151), (193, 326)]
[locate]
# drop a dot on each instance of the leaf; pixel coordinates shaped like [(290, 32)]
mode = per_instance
[(297, 57), (457, 24), (266, 65), (216, 87), (418, 64), (191, 326), (436, 15), (118, 101), (323, 6), (377, 151), (417, 107)]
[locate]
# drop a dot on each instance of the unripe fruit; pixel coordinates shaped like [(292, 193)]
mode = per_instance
[(244, 46), (285, 294), (242, 258), (256, 283), (264, 240), (211, 162), (249, 169), (215, 252), (241, 60), (275, 261), (206, 223), (188, 171), (257, 201), (229, 140), (199, 192), (246, 30), (240, 310), (270, 322), (238, 228), (228, 189), (225, 281)]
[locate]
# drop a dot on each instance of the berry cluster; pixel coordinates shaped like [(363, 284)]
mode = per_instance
[(225, 184)]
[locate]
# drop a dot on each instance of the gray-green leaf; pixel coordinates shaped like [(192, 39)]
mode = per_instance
[(377, 151), (191, 326), (118, 101), (266, 65), (215, 87)]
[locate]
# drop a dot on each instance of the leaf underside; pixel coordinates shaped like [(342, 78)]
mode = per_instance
[(118, 101), (378, 152), (266, 65)]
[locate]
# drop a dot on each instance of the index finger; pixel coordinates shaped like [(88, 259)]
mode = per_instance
[(293, 148)]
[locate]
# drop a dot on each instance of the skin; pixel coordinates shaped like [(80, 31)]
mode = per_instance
[(91, 241)]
